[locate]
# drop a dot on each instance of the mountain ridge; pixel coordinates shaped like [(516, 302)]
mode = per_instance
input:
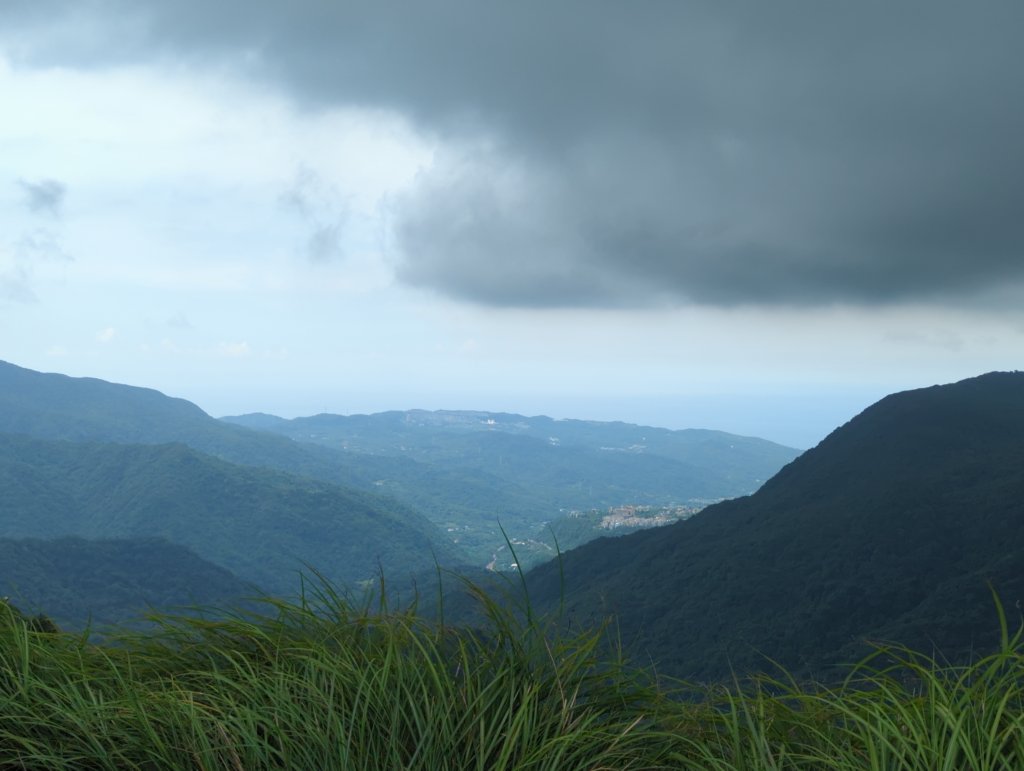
[(472, 486), (262, 524), (920, 491), (544, 469)]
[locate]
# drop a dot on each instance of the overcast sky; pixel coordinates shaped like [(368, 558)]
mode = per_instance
[(753, 216)]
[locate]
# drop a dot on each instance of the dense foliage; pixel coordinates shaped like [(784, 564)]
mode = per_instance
[(80, 583), (325, 685), (262, 525), (889, 530)]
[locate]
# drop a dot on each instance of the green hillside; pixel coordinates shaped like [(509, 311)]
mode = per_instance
[(54, 406), (76, 582), (469, 476), (262, 525), (890, 528), (559, 455), (529, 471)]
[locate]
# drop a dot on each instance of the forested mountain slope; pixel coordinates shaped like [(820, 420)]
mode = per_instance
[(263, 525), (531, 471), (589, 462), (465, 471), (55, 406), (76, 582), (889, 529)]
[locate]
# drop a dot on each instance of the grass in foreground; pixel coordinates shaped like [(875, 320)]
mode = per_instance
[(327, 685)]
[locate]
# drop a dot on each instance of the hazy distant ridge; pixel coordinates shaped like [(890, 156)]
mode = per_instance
[(529, 471)]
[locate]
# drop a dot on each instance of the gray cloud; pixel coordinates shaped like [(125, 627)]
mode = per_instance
[(606, 153), (16, 286), (43, 197), (324, 243), (318, 206), (39, 245), (17, 279)]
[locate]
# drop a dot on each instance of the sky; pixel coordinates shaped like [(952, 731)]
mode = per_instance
[(747, 216)]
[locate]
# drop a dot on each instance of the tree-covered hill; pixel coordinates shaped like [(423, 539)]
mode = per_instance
[(55, 406), (261, 524), (890, 528), (529, 471), (76, 582), (465, 471), (615, 459)]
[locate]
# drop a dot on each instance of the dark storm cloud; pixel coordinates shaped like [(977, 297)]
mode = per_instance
[(610, 153), (44, 196)]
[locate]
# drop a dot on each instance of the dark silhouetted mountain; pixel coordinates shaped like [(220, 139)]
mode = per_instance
[(890, 529), (76, 582), (261, 524)]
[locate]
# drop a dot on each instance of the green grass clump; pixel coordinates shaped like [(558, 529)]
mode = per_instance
[(327, 684), (908, 715), (320, 684), (897, 710)]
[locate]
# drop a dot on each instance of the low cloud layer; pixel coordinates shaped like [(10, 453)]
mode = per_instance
[(610, 154)]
